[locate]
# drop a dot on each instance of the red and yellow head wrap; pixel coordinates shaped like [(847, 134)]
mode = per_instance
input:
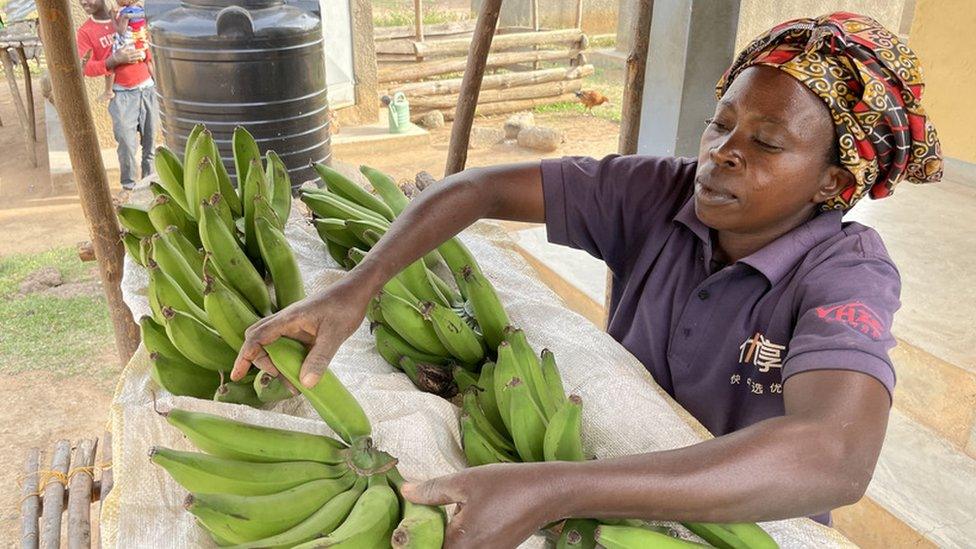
[(872, 84)]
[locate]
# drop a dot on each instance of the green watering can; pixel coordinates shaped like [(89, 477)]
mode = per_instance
[(399, 113)]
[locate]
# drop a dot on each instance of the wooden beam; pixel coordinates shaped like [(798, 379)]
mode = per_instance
[(29, 92), (79, 496), (461, 46), (30, 502), (492, 81), (442, 29), (531, 91), (8, 70), (488, 109), (425, 69), (53, 503), (457, 150), (71, 101)]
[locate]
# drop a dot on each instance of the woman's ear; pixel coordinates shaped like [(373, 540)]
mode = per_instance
[(836, 179)]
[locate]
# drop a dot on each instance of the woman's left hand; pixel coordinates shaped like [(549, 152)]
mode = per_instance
[(499, 505)]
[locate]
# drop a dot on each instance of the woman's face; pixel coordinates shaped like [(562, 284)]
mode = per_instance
[(764, 157)]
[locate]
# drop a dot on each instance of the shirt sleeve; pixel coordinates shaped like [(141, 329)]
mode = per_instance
[(610, 207), (845, 317), (93, 67)]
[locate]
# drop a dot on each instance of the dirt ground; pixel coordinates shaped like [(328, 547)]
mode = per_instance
[(41, 407)]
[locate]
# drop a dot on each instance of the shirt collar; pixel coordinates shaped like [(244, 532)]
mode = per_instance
[(779, 256)]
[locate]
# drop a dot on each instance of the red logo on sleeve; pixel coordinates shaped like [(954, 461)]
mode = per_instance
[(856, 315)]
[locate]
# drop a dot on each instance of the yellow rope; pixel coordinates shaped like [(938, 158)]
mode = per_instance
[(45, 476)]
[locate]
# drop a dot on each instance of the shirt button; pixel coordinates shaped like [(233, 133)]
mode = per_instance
[(687, 331), (703, 295)]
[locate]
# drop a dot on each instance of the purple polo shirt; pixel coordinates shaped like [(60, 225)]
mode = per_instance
[(722, 340)]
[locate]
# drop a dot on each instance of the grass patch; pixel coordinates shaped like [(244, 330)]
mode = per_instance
[(41, 332), (606, 81), (602, 42), (400, 16)]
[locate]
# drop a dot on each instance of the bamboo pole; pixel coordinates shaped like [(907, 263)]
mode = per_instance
[(30, 503), (488, 109), (53, 503), (86, 162), (532, 91), (457, 151), (8, 70), (492, 81), (79, 496), (425, 69)]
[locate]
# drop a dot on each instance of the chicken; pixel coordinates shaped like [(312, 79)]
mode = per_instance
[(591, 98)]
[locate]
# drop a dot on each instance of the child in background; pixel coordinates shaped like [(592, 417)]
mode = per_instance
[(131, 31)]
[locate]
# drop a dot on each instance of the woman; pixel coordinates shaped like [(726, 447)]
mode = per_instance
[(735, 283)]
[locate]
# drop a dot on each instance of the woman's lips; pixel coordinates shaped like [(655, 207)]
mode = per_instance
[(710, 196)]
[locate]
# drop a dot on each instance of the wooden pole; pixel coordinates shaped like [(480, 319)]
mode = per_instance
[(53, 503), (457, 151), (417, 71), (86, 162), (535, 27), (107, 481), (517, 105), (418, 20), (491, 81), (579, 14), (79, 496), (8, 70), (30, 504), (29, 92)]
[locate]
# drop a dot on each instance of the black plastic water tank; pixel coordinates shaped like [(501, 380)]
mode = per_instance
[(259, 64)]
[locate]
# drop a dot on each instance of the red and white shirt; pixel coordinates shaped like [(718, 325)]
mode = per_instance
[(95, 37)]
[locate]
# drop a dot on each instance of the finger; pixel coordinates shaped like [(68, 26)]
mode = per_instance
[(262, 332), (264, 363), (438, 491), (455, 534), (315, 363)]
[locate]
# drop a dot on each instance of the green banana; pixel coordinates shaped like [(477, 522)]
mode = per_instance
[(563, 440), (135, 219), (164, 211), (391, 347), (334, 230), (530, 370), (279, 259), (394, 286), (270, 388), (323, 521), (457, 256), (752, 534), (207, 187), (333, 402), (231, 439), (165, 292), (245, 151), (169, 169), (414, 277), (387, 189), (196, 152), (228, 312), (280, 183), (465, 380), (231, 262), (263, 209), (192, 253), (226, 186), (477, 450), (327, 204), (369, 524), (254, 186), (553, 381), (170, 260), (223, 528), (238, 392), (528, 422), (190, 140), (155, 340), (409, 323), (452, 296), (270, 514), (630, 537), (469, 404), (132, 245), (487, 398), (506, 368), (350, 190), (181, 377), (197, 472), (456, 336), (488, 309), (578, 534), (745, 535), (339, 253), (197, 342), (421, 526)]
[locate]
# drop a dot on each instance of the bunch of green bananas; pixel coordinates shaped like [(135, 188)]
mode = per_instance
[(209, 249), (262, 487)]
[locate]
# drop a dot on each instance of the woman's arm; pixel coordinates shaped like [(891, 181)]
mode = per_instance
[(325, 320), (819, 456)]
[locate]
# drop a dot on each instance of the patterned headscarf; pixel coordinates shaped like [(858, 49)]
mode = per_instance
[(872, 84)]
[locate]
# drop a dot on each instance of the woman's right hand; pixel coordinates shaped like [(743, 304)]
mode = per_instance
[(322, 322)]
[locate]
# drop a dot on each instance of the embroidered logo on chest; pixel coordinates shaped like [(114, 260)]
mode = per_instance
[(856, 315)]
